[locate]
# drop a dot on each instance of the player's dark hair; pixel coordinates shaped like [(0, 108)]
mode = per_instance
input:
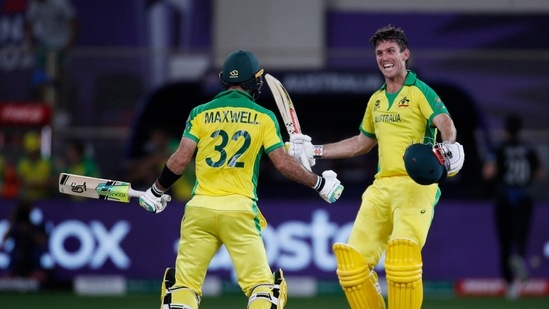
[(390, 33)]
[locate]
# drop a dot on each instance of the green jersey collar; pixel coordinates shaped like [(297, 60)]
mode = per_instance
[(234, 93), (411, 78)]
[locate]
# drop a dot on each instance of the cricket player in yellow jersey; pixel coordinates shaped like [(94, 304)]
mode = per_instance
[(229, 135), (397, 209)]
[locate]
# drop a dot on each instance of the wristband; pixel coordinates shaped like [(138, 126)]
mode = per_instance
[(167, 177), (318, 151), (320, 181), (155, 191)]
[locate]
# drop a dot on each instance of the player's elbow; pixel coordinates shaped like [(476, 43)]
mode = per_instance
[(281, 160), (177, 164), (280, 165)]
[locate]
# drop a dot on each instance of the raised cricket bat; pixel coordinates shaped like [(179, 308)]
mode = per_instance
[(287, 111), (98, 188)]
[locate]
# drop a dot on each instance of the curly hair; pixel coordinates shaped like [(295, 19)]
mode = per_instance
[(390, 33)]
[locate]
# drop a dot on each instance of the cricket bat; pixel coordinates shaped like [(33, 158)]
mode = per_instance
[(287, 111), (98, 188)]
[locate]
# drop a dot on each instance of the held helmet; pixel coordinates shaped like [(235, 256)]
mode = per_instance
[(423, 164), (242, 68)]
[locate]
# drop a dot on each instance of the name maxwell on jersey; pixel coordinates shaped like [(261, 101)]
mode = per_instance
[(231, 116)]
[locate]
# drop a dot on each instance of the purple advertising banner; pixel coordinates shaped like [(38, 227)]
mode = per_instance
[(98, 237)]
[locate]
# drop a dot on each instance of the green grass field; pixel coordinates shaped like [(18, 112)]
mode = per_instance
[(60, 300)]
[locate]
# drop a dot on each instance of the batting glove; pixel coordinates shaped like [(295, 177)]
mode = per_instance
[(451, 155), (298, 144), (153, 200), (329, 187)]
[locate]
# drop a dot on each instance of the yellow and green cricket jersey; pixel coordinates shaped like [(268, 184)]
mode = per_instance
[(399, 119), (35, 174), (85, 167), (232, 132)]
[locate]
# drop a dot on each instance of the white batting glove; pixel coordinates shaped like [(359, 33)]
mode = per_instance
[(298, 144), (153, 201), (452, 156), (329, 187)]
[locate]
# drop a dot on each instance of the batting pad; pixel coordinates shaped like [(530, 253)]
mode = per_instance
[(281, 289), (270, 296), (167, 282), (403, 267), (183, 298), (357, 279), (176, 297)]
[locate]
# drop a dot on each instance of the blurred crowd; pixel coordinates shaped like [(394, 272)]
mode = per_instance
[(28, 172)]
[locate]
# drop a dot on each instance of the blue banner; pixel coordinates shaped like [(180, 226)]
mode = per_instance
[(99, 237)]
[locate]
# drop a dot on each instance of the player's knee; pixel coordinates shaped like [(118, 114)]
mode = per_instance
[(177, 297), (270, 296), (403, 263)]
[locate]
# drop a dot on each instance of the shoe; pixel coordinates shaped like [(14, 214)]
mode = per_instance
[(513, 290), (518, 267)]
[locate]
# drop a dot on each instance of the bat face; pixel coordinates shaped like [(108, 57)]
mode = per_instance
[(284, 104), (97, 188), (287, 110)]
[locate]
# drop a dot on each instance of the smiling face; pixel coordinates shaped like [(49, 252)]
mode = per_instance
[(391, 60)]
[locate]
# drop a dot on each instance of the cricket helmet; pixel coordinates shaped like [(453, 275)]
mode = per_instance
[(242, 68), (423, 164)]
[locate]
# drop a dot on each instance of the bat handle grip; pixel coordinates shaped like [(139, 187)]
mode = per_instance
[(137, 193)]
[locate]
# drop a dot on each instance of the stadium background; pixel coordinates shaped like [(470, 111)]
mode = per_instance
[(142, 64)]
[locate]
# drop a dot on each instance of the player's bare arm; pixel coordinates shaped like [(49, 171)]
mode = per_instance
[(351, 147), (451, 150), (179, 160), (291, 167), (445, 125), (173, 169), (327, 185)]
